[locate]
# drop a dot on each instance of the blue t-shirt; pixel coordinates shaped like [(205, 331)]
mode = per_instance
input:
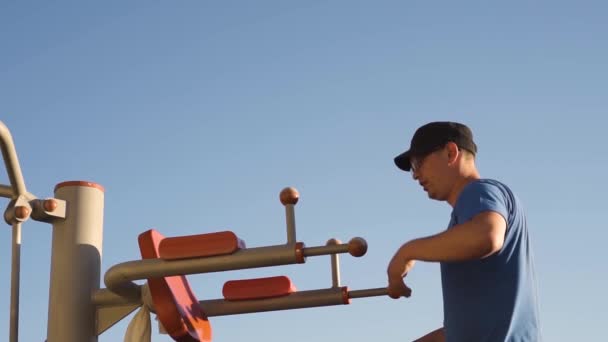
[(492, 299)]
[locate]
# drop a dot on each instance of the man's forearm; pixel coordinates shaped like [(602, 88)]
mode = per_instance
[(435, 336), (443, 247), (475, 239)]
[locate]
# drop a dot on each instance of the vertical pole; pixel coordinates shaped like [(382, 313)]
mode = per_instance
[(16, 266), (335, 264), (291, 224), (76, 263), (18, 188), (289, 197)]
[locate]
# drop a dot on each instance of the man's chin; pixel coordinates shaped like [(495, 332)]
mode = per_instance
[(433, 196)]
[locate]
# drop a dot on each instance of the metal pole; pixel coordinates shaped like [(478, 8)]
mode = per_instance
[(324, 250), (297, 300), (7, 192), (335, 264), (15, 272), (289, 197), (290, 217), (10, 159), (379, 291), (118, 278), (18, 189), (76, 263)]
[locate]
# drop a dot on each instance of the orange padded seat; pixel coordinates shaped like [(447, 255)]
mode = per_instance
[(201, 245), (258, 288), (176, 306)]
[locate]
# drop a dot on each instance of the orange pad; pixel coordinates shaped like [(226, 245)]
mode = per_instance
[(259, 288), (176, 306), (201, 245)]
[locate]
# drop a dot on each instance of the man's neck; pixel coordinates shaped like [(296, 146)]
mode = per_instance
[(463, 181)]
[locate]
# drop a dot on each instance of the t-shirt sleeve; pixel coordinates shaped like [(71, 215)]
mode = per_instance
[(479, 197)]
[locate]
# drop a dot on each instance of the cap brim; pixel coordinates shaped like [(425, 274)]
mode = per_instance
[(403, 161)]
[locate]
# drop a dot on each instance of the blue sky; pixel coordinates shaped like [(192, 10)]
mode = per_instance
[(194, 115)]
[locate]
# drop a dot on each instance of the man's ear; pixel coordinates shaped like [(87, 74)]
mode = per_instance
[(453, 152)]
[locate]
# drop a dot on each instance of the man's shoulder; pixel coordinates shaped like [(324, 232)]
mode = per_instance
[(482, 186), (487, 183), (483, 195)]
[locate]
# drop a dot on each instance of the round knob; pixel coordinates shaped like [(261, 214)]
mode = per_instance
[(49, 204), (289, 196), (21, 212), (357, 247), (333, 241)]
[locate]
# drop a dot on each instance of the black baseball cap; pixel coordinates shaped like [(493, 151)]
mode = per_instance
[(434, 135)]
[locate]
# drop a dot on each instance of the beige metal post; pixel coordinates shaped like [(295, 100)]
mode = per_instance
[(76, 263), (289, 197), (17, 189)]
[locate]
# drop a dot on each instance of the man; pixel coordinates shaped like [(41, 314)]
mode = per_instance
[(487, 268)]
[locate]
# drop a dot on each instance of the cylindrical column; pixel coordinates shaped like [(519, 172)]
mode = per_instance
[(76, 263), (16, 267)]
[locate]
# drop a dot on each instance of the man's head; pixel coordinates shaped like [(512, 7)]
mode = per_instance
[(440, 154), (434, 136)]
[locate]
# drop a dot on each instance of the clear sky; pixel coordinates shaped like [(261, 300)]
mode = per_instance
[(195, 114)]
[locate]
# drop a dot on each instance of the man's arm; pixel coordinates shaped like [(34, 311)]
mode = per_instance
[(478, 238), (434, 336)]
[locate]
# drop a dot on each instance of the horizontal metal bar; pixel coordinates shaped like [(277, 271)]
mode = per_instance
[(105, 297), (297, 300), (221, 307), (324, 250), (118, 278), (380, 291), (6, 191)]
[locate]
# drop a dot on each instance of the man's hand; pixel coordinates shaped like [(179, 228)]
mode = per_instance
[(398, 268), (398, 289)]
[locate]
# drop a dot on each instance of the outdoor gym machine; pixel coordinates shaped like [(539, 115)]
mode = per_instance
[(80, 311)]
